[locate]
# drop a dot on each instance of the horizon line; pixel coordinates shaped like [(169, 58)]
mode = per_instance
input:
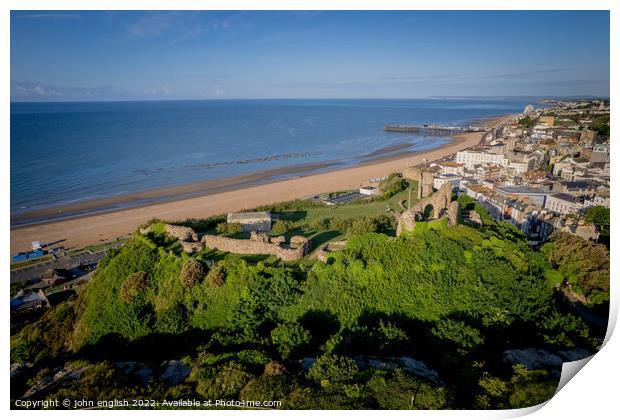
[(581, 97)]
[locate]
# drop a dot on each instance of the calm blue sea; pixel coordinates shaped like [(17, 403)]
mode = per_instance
[(67, 152)]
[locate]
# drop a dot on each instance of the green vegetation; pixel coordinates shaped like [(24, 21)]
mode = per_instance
[(453, 298), (600, 124), (282, 226), (228, 228), (583, 264), (526, 122), (392, 185), (598, 215), (467, 203), (26, 263)]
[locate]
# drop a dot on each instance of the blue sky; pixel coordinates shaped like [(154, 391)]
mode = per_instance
[(91, 55)]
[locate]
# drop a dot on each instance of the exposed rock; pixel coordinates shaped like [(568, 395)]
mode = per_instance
[(58, 377), (307, 362), (532, 358), (181, 233), (140, 370), (322, 255), (18, 369), (175, 371), (145, 230), (475, 218), (408, 364), (574, 354)]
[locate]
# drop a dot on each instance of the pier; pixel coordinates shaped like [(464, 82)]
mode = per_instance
[(437, 130)]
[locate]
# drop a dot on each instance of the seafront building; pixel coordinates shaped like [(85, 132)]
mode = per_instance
[(540, 172)]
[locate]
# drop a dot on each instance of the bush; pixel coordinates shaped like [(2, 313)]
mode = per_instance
[(134, 285), (330, 369), (362, 226), (225, 228), (282, 226), (191, 273), (289, 338), (392, 185), (217, 276), (225, 383), (320, 224)]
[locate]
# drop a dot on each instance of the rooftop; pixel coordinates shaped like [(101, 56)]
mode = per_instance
[(519, 189), (249, 215)]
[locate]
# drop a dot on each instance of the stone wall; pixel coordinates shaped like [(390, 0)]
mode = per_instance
[(245, 246), (181, 233), (442, 206), (423, 176)]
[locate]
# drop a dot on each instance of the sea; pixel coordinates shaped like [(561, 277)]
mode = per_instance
[(67, 152)]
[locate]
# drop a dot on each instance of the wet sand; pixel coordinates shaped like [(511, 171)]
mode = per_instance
[(216, 197)]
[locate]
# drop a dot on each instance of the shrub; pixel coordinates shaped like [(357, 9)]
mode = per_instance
[(225, 383), (289, 338), (282, 226), (320, 224), (191, 273), (217, 276), (392, 185), (341, 224), (225, 228), (362, 226), (133, 286), (331, 369)]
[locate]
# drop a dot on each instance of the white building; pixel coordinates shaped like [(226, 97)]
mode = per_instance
[(469, 158), (451, 168), (453, 179), (369, 190), (597, 200), (563, 203), (259, 221)]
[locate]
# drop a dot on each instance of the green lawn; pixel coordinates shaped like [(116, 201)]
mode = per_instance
[(355, 210), (303, 219)]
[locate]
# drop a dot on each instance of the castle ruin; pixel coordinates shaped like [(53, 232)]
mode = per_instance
[(424, 178), (442, 207)]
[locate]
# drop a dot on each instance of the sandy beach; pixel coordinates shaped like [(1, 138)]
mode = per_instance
[(224, 196)]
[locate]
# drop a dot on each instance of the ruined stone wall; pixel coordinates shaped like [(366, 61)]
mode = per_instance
[(423, 176), (181, 233), (442, 206), (244, 246)]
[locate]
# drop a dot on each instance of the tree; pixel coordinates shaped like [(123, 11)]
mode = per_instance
[(598, 215), (526, 122), (282, 226), (332, 369), (289, 338), (191, 273)]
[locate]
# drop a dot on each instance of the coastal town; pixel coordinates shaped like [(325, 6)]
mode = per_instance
[(543, 171)]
